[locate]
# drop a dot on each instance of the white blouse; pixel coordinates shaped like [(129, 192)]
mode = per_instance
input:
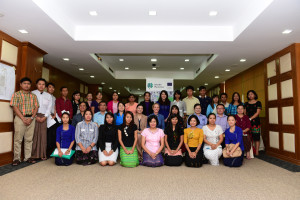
[(212, 135)]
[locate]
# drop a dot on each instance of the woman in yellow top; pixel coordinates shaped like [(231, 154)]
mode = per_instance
[(193, 139)]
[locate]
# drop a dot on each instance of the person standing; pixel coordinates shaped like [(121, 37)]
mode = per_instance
[(160, 118), (236, 101), (147, 104), (164, 104), (99, 117), (89, 100), (204, 100), (190, 100), (39, 145), (52, 122), (181, 104), (253, 109), (95, 104), (112, 106), (79, 117), (75, 102), (202, 118), (118, 117), (63, 104), (131, 105), (25, 106), (223, 100), (212, 107)]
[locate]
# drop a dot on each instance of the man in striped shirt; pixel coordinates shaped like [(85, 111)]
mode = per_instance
[(25, 106)]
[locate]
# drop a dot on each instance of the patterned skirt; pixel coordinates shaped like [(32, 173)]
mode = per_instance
[(194, 162), (129, 160), (255, 130), (149, 162), (86, 158)]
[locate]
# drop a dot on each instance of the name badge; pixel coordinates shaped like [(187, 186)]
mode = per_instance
[(91, 129), (82, 129)]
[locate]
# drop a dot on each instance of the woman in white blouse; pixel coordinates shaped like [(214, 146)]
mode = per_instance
[(213, 137)]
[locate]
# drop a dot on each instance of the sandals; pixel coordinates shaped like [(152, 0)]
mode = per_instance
[(16, 163), (31, 160)]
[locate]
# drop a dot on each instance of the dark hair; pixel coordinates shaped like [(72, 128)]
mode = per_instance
[(169, 126), (63, 88), (240, 105), (150, 119), (177, 92), (147, 93), (101, 102), (209, 116), (98, 93), (174, 106), (139, 105), (232, 98), (82, 103), (167, 101), (105, 122), (88, 111), (255, 94), (25, 79), (48, 84), (189, 88), (124, 119), (219, 104), (195, 117), (131, 95), (118, 107), (75, 92), (197, 104), (66, 113), (212, 100), (231, 116), (202, 87), (89, 93), (41, 79), (223, 94), (114, 93)]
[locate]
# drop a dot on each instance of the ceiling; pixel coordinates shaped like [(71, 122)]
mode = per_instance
[(181, 29)]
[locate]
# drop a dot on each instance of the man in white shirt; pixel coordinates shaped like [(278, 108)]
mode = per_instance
[(39, 145), (223, 100)]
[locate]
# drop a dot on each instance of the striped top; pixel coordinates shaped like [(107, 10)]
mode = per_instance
[(86, 134), (25, 102)]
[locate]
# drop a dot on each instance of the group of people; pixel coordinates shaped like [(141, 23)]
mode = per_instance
[(194, 130)]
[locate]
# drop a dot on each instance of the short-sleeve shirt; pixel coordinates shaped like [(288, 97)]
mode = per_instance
[(212, 135), (128, 135), (173, 137), (131, 108), (25, 102), (190, 102), (96, 105), (251, 109), (153, 139)]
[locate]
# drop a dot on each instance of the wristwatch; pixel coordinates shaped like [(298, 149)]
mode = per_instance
[(32, 118), (91, 146)]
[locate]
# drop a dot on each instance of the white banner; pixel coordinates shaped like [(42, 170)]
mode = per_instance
[(156, 85), (7, 81)]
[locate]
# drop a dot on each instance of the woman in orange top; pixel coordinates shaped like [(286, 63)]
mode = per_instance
[(131, 105)]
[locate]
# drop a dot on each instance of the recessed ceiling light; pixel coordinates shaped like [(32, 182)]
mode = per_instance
[(139, 89), (121, 59), (287, 31), (110, 88), (66, 59), (187, 60), (213, 13), (243, 60), (205, 83), (140, 95), (92, 76), (217, 77), (126, 68), (153, 59), (23, 31), (154, 68), (119, 93), (102, 83), (227, 70), (182, 68), (81, 69), (152, 12), (93, 13), (115, 90)]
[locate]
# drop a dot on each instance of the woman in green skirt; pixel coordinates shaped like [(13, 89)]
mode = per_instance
[(128, 139)]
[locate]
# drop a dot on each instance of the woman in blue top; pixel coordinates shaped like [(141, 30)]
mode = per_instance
[(236, 100), (212, 108), (164, 104), (65, 139), (120, 114), (233, 135)]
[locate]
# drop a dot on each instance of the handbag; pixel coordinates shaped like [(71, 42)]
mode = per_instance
[(236, 153)]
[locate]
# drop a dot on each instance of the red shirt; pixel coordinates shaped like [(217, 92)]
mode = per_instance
[(62, 104), (243, 122)]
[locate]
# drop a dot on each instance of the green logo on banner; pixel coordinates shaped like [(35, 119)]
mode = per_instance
[(150, 85)]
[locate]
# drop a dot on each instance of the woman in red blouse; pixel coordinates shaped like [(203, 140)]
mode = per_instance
[(244, 123)]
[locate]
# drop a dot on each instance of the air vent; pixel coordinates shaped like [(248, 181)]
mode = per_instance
[(198, 70), (208, 59), (110, 69)]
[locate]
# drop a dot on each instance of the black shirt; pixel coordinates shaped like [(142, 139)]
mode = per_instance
[(108, 133), (251, 109), (128, 138), (173, 137)]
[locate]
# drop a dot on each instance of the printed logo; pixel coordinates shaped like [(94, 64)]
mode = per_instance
[(150, 85)]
